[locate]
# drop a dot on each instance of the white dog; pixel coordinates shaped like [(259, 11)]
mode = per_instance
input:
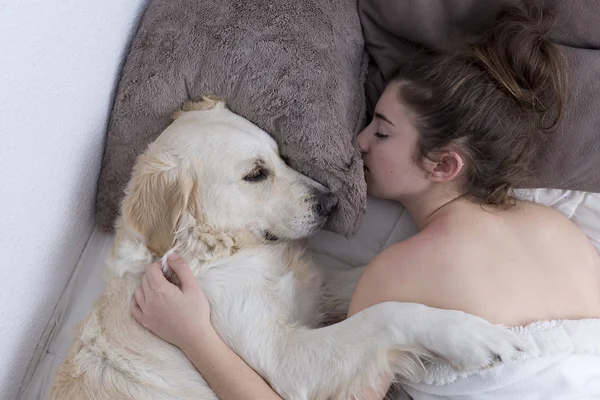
[(213, 188)]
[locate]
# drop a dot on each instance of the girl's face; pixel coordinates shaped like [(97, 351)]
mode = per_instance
[(389, 146)]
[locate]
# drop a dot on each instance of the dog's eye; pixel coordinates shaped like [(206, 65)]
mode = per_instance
[(258, 175)]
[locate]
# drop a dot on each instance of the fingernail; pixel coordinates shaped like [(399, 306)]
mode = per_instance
[(173, 257)]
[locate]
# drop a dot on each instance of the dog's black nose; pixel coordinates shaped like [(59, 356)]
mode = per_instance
[(326, 201)]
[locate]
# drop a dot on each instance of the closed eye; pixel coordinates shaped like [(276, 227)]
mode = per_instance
[(380, 135), (259, 174)]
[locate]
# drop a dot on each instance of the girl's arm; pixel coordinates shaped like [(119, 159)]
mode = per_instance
[(181, 316), (226, 373)]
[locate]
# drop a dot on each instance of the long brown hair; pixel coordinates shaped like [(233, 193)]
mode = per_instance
[(496, 100)]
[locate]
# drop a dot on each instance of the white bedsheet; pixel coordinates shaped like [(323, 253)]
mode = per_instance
[(385, 223), (82, 290)]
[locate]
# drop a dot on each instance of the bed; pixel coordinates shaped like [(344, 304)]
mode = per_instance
[(385, 223)]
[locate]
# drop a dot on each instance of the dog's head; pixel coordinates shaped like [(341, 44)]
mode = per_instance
[(215, 172)]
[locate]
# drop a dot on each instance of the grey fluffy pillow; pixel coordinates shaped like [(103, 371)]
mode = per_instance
[(294, 68)]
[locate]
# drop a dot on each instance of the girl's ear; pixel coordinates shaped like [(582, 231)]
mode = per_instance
[(447, 166)]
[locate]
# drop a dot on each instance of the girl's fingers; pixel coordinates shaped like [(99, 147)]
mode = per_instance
[(183, 271)]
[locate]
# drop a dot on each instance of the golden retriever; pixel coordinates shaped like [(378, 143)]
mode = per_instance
[(214, 188)]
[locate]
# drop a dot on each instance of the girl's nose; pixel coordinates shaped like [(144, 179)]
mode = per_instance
[(362, 139)]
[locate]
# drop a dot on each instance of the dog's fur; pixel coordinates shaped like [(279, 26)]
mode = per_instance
[(199, 190)]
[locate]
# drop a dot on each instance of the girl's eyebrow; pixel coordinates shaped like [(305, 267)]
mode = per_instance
[(383, 118)]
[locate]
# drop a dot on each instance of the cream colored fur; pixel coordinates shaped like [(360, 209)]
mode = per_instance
[(195, 191)]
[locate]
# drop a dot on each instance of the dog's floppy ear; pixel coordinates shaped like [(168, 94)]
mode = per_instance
[(156, 197)]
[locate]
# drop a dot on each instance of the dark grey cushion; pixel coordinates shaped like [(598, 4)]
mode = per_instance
[(295, 68)]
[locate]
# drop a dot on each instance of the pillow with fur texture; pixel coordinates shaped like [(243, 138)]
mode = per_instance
[(294, 68)]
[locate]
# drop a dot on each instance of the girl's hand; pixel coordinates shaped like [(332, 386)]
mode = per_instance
[(180, 316)]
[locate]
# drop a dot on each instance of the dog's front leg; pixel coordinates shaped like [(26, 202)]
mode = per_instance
[(342, 360)]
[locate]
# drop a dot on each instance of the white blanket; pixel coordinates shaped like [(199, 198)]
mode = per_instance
[(561, 362)]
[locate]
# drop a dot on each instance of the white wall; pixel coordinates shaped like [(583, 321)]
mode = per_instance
[(59, 65)]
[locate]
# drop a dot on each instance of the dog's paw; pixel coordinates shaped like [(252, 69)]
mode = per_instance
[(471, 343)]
